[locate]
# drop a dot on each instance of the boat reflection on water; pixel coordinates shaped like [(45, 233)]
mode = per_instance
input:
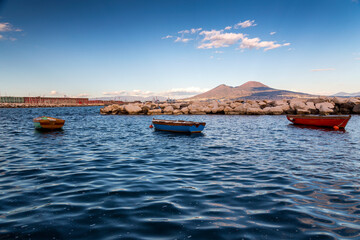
[(49, 131), (49, 134), (178, 134), (323, 129)]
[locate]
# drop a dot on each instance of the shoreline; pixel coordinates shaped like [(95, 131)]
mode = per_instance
[(321, 105)]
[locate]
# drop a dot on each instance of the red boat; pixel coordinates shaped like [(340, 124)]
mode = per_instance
[(333, 121)]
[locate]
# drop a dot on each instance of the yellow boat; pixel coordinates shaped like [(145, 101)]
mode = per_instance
[(48, 123)]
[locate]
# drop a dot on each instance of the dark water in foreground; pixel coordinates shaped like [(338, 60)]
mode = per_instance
[(111, 177)]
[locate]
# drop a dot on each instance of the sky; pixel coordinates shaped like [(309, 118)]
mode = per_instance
[(173, 48)]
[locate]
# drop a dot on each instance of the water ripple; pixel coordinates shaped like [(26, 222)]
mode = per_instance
[(111, 177)]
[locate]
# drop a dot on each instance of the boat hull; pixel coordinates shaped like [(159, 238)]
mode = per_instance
[(48, 123), (178, 126), (332, 121)]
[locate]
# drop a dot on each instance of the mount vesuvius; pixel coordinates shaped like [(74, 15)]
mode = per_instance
[(248, 90)]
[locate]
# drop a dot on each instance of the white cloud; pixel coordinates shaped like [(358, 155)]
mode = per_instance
[(218, 52), (84, 95), (256, 43), (245, 24), (184, 40), (217, 39), (192, 31), (53, 93), (174, 93), (357, 58), (183, 92), (323, 69), (141, 93), (7, 27), (168, 36), (209, 34), (130, 93), (195, 30), (184, 31), (114, 93)]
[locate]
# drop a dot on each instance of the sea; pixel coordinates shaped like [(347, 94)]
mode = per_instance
[(113, 177)]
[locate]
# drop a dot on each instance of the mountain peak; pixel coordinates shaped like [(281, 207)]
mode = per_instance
[(222, 86), (249, 90), (252, 84)]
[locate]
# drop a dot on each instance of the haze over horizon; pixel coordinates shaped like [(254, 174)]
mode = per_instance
[(177, 48)]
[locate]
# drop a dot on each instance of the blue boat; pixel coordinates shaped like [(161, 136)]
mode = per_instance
[(179, 126)]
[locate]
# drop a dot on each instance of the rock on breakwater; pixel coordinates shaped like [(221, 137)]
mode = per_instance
[(321, 105)]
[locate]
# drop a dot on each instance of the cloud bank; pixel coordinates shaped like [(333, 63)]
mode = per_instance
[(172, 93), (209, 39), (55, 93)]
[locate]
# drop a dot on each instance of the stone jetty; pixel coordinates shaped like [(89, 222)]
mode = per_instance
[(321, 105)]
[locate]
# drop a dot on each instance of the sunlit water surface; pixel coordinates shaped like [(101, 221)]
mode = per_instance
[(112, 177)]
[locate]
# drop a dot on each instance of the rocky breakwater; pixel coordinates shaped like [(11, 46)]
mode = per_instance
[(323, 105)]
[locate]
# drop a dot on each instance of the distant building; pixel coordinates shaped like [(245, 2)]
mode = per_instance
[(54, 101)]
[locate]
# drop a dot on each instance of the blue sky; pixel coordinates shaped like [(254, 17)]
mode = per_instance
[(177, 48)]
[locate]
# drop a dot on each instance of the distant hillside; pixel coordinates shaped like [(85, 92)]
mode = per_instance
[(344, 94), (249, 90)]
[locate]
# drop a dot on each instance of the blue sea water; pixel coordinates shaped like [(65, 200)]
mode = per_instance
[(112, 177)]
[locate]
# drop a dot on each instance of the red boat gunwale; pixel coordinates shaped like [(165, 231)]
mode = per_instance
[(339, 121)]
